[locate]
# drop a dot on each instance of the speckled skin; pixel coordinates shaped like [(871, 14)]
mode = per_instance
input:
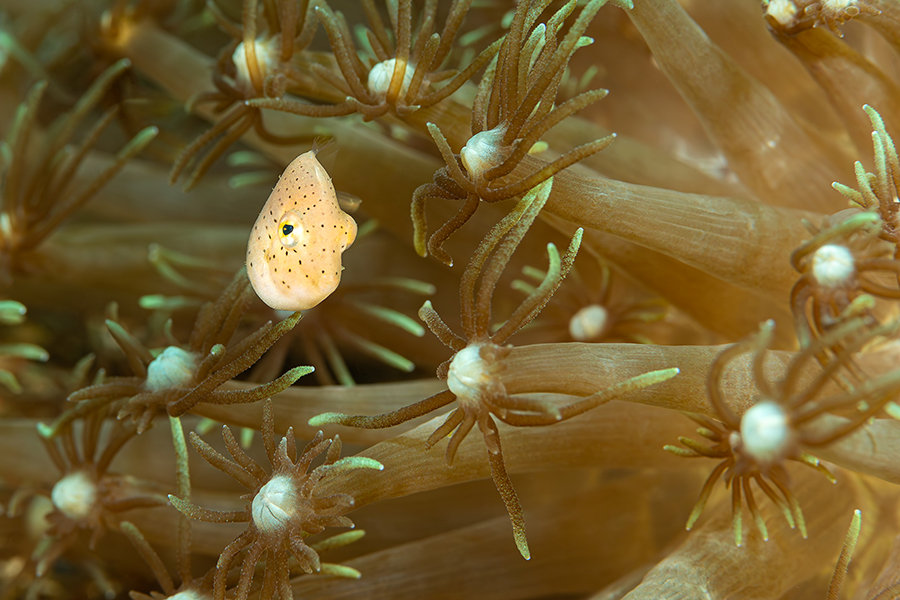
[(294, 251)]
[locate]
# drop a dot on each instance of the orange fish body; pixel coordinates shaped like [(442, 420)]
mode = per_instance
[(294, 251)]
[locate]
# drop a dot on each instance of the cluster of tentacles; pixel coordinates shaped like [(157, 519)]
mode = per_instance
[(38, 169), (785, 419), (283, 510), (178, 378), (474, 373), (256, 64), (513, 109)]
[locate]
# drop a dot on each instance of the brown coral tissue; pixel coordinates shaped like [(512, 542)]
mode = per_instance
[(658, 247)]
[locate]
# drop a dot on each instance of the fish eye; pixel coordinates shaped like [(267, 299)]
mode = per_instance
[(290, 230)]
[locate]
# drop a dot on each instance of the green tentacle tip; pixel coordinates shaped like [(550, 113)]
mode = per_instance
[(9, 380), (892, 409), (338, 541), (11, 312), (812, 461), (663, 374), (761, 527), (119, 66), (298, 372), (340, 571), (359, 462), (161, 302), (328, 418), (181, 505), (801, 523), (140, 141), (577, 236), (130, 529), (46, 431), (853, 532), (738, 526), (874, 116), (522, 545), (391, 317), (678, 451), (864, 220), (696, 512), (652, 377), (115, 328), (844, 189), (26, 351)]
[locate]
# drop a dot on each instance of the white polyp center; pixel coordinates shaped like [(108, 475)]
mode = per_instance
[(189, 595), (275, 504), (267, 51), (75, 495), (468, 373), (837, 6), (766, 432), (832, 265), (173, 368), (380, 78), (588, 323), (483, 151), (783, 11)]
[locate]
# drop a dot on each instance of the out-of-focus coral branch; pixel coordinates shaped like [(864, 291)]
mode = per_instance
[(769, 150)]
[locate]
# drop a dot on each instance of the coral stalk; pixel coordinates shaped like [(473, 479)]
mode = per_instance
[(727, 571), (770, 152), (678, 283), (848, 78), (739, 241)]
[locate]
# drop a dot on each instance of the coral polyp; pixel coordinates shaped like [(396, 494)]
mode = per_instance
[(780, 424), (284, 510), (177, 379), (474, 372), (250, 66)]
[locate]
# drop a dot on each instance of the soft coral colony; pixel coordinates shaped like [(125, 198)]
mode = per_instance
[(636, 209)]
